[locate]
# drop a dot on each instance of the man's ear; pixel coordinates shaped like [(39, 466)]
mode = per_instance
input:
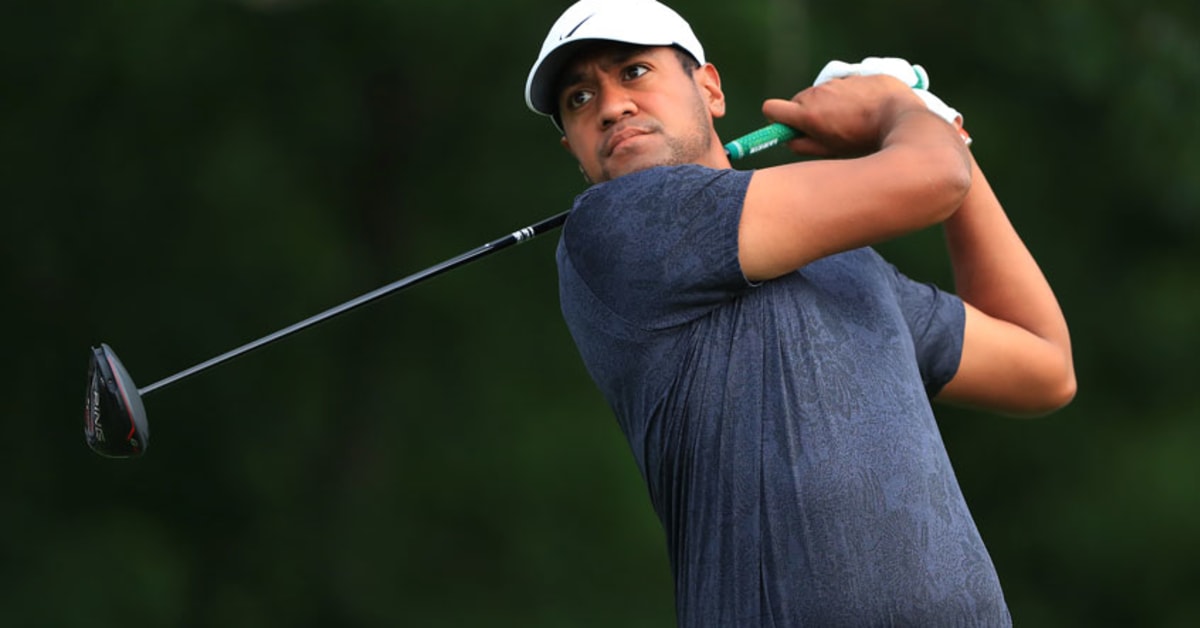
[(709, 81)]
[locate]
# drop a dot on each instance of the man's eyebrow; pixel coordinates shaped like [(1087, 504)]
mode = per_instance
[(625, 53), (572, 77), (609, 58)]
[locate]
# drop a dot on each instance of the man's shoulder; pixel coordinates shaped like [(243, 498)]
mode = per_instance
[(650, 199), (671, 182)]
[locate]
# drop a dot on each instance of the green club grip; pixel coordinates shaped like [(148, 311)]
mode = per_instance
[(761, 139)]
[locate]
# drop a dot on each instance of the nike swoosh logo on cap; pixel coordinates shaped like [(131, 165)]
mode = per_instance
[(572, 31)]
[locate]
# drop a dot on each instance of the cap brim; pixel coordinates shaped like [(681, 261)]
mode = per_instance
[(540, 92)]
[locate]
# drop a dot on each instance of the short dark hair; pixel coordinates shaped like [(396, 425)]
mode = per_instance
[(689, 63)]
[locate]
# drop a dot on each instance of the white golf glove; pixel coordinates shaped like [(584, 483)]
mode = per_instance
[(910, 74)]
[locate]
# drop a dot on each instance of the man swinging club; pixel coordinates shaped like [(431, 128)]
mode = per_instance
[(772, 374)]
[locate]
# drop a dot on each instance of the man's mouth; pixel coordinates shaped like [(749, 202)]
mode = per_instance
[(620, 136)]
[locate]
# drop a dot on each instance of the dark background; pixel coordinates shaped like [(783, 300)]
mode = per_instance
[(180, 177)]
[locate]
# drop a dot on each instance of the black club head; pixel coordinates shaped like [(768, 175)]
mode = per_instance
[(114, 421)]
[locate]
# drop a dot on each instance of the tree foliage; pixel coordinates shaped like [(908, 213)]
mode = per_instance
[(182, 177)]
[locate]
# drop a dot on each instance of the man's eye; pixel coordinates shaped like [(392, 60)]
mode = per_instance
[(577, 99), (635, 71)]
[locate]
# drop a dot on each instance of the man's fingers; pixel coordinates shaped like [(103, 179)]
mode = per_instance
[(780, 110), (786, 112), (809, 147), (791, 114)]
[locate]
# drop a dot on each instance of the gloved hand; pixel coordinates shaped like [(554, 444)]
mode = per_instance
[(912, 75)]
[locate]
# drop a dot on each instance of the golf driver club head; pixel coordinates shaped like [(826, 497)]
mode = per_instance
[(114, 421)]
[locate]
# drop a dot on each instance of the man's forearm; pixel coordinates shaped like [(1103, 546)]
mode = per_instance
[(995, 272)]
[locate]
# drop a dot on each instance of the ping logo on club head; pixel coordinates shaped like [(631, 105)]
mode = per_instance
[(91, 414)]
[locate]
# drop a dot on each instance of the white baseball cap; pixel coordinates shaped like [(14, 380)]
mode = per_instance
[(638, 22)]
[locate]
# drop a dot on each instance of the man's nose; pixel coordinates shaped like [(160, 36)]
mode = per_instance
[(616, 102)]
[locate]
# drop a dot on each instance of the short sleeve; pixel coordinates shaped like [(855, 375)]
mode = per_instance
[(936, 320), (659, 247)]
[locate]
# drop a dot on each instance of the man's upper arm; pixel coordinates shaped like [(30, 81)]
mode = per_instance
[(1007, 369), (800, 212)]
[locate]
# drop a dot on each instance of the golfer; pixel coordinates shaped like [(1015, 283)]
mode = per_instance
[(772, 373)]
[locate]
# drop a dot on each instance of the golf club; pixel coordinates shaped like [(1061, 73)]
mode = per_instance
[(114, 419)]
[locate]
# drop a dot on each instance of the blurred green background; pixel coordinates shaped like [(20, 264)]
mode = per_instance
[(180, 177)]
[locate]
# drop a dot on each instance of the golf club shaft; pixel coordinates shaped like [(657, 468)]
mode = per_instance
[(515, 237), (746, 145)]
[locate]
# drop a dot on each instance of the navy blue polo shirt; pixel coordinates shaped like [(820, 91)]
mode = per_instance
[(784, 429)]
